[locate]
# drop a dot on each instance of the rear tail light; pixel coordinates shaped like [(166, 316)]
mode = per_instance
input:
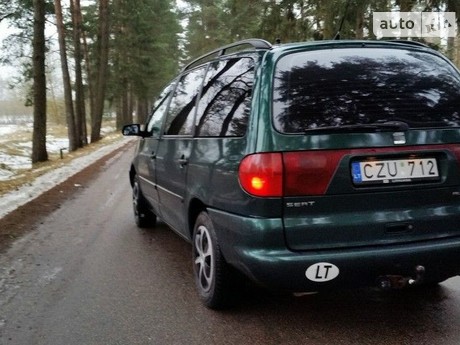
[(262, 174), (288, 174)]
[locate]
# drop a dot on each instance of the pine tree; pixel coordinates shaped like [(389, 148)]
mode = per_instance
[(39, 153)]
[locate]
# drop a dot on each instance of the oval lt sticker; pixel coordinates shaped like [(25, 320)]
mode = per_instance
[(322, 272)]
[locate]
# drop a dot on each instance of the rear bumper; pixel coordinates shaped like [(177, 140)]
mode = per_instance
[(257, 248)]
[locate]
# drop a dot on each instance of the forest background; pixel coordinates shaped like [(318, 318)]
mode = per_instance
[(114, 56)]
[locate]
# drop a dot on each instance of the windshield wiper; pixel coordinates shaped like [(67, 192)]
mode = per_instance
[(389, 126)]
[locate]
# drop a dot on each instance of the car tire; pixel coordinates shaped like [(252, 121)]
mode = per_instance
[(213, 277), (142, 215)]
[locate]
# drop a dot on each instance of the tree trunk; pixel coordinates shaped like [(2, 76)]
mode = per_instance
[(359, 25), (123, 110), (405, 5), (102, 65), (80, 112), (142, 110), (70, 115), (454, 6), (119, 113), (131, 105), (89, 77), (39, 153)]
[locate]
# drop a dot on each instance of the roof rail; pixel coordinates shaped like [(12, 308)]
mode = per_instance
[(412, 43), (255, 43)]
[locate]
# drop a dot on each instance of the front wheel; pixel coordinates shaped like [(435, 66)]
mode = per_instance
[(212, 274), (142, 215)]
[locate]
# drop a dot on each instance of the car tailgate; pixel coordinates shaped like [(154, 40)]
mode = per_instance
[(327, 206)]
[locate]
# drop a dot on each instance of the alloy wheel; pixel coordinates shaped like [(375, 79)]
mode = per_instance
[(204, 258)]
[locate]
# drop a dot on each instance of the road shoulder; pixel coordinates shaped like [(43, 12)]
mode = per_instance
[(23, 219)]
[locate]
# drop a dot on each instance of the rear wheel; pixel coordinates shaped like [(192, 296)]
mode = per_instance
[(142, 215), (213, 277)]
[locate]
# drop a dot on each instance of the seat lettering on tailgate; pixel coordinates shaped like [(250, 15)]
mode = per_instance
[(300, 204)]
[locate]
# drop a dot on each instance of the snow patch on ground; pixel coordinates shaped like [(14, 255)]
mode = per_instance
[(12, 200), (16, 149), (8, 130)]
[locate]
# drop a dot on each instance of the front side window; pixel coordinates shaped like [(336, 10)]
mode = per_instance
[(158, 112), (224, 107), (353, 86), (183, 103)]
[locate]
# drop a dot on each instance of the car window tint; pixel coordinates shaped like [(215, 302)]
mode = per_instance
[(183, 104), (159, 108), (224, 106), (361, 86)]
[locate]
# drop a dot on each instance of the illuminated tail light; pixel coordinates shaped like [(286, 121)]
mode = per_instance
[(289, 173), (262, 174)]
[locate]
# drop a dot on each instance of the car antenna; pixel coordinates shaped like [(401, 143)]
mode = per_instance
[(337, 35)]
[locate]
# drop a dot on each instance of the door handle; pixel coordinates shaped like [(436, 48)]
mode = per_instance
[(153, 155)]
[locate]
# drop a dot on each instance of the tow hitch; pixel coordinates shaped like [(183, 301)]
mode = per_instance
[(389, 282)]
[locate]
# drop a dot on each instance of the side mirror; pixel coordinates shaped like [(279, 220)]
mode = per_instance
[(132, 130)]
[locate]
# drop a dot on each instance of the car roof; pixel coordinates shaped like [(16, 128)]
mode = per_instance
[(329, 44), (256, 44)]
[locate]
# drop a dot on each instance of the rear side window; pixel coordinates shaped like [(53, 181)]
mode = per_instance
[(183, 103), (337, 87), (224, 107)]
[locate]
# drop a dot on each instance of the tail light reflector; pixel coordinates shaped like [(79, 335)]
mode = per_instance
[(309, 172)]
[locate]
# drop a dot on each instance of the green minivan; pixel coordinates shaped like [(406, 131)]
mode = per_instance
[(307, 166)]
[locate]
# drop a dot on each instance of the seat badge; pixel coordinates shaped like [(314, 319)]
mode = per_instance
[(399, 138)]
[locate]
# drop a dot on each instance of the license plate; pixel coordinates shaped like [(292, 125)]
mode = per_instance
[(394, 171)]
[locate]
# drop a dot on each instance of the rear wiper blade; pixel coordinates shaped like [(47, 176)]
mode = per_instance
[(388, 126)]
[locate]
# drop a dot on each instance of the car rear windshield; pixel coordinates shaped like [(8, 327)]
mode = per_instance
[(346, 87)]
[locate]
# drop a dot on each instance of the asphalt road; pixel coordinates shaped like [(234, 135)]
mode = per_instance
[(87, 275)]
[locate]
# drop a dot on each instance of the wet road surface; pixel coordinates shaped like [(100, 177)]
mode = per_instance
[(87, 275)]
